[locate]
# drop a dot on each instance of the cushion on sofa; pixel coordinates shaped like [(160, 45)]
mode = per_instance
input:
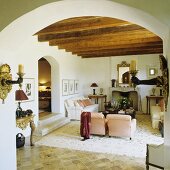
[(74, 106), (86, 102), (80, 103)]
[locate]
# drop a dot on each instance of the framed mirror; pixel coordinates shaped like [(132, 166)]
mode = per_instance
[(123, 73)]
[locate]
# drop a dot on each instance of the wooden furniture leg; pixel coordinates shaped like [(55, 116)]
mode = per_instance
[(32, 126)]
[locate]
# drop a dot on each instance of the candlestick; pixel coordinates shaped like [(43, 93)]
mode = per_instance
[(20, 68), (133, 65)]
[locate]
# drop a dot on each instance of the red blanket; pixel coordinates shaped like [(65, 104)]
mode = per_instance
[(85, 125)]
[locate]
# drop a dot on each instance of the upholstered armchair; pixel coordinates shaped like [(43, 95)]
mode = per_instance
[(121, 125), (157, 115), (97, 125)]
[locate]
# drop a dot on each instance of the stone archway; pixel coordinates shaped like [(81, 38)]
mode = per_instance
[(12, 42)]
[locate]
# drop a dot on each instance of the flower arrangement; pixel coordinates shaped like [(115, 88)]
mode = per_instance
[(125, 103)]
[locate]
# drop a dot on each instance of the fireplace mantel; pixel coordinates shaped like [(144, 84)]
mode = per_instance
[(123, 89), (129, 92)]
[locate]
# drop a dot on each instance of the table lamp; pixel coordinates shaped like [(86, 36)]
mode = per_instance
[(94, 85), (20, 96)]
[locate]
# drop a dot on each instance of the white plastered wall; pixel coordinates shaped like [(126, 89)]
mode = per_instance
[(18, 46)]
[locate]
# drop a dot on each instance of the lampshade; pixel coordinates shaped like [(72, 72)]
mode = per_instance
[(94, 85), (20, 95)]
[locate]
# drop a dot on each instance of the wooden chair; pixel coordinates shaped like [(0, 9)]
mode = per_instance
[(155, 156)]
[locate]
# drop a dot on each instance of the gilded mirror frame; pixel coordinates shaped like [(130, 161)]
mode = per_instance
[(125, 79)]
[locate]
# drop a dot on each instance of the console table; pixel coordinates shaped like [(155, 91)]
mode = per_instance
[(97, 97), (148, 98), (23, 122)]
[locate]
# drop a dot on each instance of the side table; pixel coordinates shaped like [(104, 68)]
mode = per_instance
[(97, 97), (23, 122)]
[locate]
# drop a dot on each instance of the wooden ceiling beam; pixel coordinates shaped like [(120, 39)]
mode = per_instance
[(81, 23), (119, 49), (95, 36), (122, 53), (122, 49), (98, 44), (90, 32), (102, 37), (132, 45)]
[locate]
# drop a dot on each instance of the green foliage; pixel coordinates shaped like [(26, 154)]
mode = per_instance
[(125, 103)]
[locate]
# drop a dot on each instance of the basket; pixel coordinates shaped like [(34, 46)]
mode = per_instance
[(20, 140)]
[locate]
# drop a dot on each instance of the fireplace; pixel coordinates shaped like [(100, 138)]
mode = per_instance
[(129, 93)]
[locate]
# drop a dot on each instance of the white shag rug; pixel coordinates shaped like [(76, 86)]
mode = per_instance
[(68, 136)]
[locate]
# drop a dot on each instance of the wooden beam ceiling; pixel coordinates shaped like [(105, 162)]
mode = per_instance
[(91, 36)]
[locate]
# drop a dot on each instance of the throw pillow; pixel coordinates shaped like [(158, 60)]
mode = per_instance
[(80, 103), (86, 102)]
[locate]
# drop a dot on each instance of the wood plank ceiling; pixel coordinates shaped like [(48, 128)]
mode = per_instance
[(94, 36)]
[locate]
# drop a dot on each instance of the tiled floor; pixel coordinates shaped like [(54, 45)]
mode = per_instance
[(49, 158), (53, 158)]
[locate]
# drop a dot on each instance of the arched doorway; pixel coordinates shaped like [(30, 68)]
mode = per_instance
[(44, 91)]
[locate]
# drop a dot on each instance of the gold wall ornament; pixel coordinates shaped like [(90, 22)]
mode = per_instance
[(6, 80), (5, 75)]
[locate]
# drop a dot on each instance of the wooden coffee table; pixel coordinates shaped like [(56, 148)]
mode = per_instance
[(130, 112)]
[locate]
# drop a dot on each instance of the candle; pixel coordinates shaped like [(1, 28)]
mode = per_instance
[(20, 68), (133, 65)]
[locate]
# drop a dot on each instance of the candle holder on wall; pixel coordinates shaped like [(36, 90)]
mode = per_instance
[(6, 81)]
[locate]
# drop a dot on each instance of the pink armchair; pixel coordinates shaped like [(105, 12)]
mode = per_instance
[(121, 125), (97, 125)]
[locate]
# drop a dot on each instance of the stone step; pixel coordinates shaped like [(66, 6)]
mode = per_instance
[(48, 128), (49, 123), (51, 117)]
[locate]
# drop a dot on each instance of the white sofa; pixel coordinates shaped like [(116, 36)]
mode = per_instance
[(156, 116), (74, 109)]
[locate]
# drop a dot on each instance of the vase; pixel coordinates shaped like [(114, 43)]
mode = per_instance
[(113, 82)]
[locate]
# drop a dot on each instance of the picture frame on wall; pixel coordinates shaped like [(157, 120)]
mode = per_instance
[(76, 86), (71, 86), (28, 86), (152, 71), (65, 87)]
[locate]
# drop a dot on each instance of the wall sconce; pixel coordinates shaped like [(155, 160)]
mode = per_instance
[(6, 81), (94, 85)]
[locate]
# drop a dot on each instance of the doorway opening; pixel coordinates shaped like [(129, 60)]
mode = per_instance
[(44, 90)]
